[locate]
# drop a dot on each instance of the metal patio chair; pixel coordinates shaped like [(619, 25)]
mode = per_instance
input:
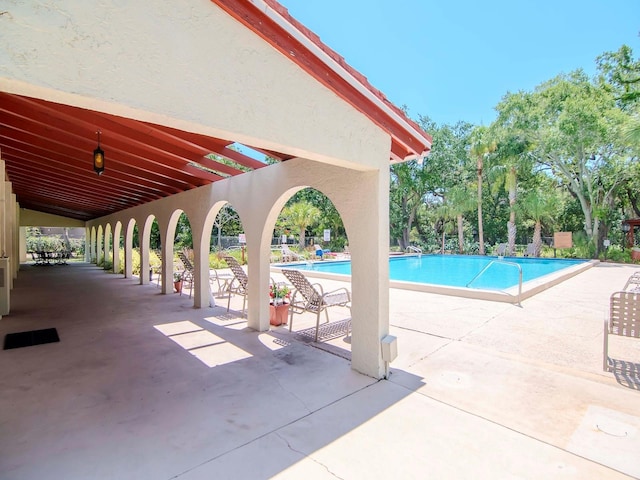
[(238, 286), (309, 297)]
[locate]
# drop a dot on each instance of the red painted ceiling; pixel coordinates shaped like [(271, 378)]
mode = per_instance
[(48, 153)]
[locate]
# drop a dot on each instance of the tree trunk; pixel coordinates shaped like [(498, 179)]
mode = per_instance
[(460, 234), (302, 241), (404, 241), (537, 239), (480, 223), (511, 233), (511, 225)]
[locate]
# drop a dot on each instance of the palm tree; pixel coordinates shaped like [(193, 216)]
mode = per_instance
[(459, 202), (301, 215), (631, 132), (539, 207), (481, 146), (513, 151)]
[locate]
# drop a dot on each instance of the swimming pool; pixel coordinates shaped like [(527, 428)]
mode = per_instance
[(459, 274)]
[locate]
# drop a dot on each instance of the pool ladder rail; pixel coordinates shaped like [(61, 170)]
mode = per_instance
[(417, 250), (504, 262)]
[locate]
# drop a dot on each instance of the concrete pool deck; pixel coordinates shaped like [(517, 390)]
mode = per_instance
[(141, 385)]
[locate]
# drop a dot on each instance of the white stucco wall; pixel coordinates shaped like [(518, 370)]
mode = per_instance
[(31, 218), (184, 64)]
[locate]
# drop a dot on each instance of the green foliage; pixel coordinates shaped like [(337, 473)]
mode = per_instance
[(299, 216), (575, 128), (37, 241), (583, 246), (337, 244), (227, 223), (217, 262), (615, 253), (155, 261), (329, 217), (183, 238), (413, 184)]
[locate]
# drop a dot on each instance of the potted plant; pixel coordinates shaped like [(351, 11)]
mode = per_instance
[(177, 281), (279, 308)]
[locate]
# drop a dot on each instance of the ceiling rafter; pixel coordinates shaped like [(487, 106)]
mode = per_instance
[(67, 155), (47, 148), (79, 172), (136, 154), (220, 147)]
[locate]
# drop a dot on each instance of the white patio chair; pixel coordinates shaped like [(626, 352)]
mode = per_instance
[(238, 286), (624, 320), (288, 255), (309, 297), (530, 251)]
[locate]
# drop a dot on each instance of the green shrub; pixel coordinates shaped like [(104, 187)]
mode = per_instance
[(337, 244), (615, 253)]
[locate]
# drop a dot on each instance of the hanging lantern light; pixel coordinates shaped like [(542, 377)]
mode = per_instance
[(98, 158)]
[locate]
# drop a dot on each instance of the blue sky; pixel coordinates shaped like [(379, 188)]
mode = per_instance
[(454, 60)]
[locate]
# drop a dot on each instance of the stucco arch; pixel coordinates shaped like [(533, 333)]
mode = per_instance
[(168, 235), (209, 221), (202, 247), (357, 195), (330, 195)]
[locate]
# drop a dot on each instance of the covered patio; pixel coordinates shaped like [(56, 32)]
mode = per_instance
[(168, 95)]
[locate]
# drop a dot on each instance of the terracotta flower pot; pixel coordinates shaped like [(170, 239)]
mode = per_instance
[(177, 286), (278, 314)]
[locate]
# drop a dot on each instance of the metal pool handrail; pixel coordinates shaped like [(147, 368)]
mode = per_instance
[(418, 250), (505, 263)]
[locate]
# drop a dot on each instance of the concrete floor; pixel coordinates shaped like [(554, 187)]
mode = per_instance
[(143, 386)]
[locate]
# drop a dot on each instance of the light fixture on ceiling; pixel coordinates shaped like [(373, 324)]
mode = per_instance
[(98, 158)]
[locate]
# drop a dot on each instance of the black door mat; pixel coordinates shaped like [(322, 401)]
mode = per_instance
[(33, 337)]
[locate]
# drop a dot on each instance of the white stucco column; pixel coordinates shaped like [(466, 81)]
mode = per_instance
[(99, 244), (258, 299), (23, 245), (107, 242), (369, 246), (201, 244), (15, 235), (144, 236), (4, 220), (200, 267), (128, 249), (3, 211), (87, 244), (166, 272), (117, 230), (10, 238)]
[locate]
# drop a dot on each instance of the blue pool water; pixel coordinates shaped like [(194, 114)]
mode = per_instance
[(456, 270)]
